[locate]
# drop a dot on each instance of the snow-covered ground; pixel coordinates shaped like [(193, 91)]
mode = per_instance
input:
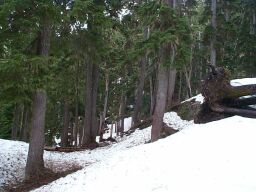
[(13, 153), (218, 156)]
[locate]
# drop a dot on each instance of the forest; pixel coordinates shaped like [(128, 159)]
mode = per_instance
[(71, 68)]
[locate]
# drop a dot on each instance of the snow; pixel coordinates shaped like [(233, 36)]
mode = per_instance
[(245, 81), (127, 126), (199, 98), (218, 156), (13, 154)]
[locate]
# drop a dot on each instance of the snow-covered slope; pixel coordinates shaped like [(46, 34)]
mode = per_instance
[(218, 156), (13, 154)]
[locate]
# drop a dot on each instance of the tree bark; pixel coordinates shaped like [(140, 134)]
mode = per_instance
[(76, 128), (25, 128), (103, 116), (253, 23), (139, 91), (171, 86), (35, 162), (161, 97), (121, 114), (64, 132), (141, 82), (213, 39), (152, 96), (162, 87), (90, 124), (88, 104), (15, 124)]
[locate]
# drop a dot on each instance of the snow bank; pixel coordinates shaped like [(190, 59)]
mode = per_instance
[(218, 156), (13, 154)]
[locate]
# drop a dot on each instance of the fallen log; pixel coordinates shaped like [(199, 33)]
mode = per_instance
[(222, 99), (64, 149)]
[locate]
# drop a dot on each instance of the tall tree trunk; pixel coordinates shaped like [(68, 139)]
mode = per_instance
[(162, 87), (35, 162), (103, 116), (142, 75), (161, 97), (76, 128), (253, 23), (180, 87), (152, 95), (94, 123), (121, 114), (171, 86), (111, 129), (140, 88), (188, 75), (88, 105), (213, 39), (90, 124), (81, 131), (15, 124), (64, 131), (25, 128)]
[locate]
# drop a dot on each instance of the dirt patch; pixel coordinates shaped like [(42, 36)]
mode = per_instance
[(44, 179)]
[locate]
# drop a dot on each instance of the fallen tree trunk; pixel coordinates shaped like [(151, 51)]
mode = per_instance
[(222, 99)]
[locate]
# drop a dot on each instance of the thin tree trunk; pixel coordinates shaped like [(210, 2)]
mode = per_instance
[(76, 128), (88, 104), (101, 128), (24, 132), (188, 79), (139, 91), (111, 129), (64, 132), (152, 98), (141, 82), (81, 131), (21, 121), (71, 137), (35, 162), (15, 124), (253, 24), (213, 40), (180, 87), (121, 114), (94, 123), (103, 116)]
